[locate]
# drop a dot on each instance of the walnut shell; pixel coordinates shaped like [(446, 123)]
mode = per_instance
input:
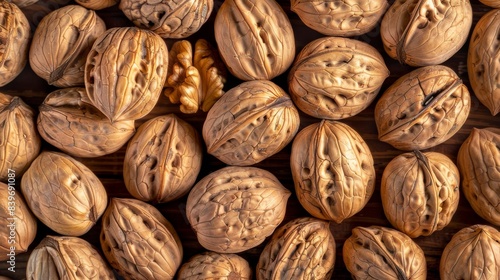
[(478, 162), (303, 248), (425, 32), (420, 192), (162, 160), (255, 38), (23, 3), (332, 169), (491, 3), (69, 121), (138, 241), (235, 208), (250, 123), (63, 193), (336, 78), (383, 253), (65, 257), (422, 109), (61, 43), (97, 4), (210, 265)]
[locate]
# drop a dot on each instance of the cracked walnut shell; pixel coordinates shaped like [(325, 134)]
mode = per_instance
[(210, 265)]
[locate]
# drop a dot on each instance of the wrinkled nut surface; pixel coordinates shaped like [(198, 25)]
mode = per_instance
[(332, 169), (383, 253), (491, 3), (20, 142), (340, 18), (420, 192), (250, 123), (209, 265), (97, 4), (425, 32), (65, 257), (303, 248), (422, 109), (472, 253), (235, 208), (162, 160), (139, 242), (61, 43), (336, 78), (167, 18), (255, 38), (478, 162), (194, 80), (63, 193), (125, 72), (69, 121), (23, 3)]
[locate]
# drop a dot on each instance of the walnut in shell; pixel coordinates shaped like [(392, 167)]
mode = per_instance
[(420, 192), (235, 208), (491, 3), (23, 3), (422, 109), (209, 265), (332, 169), (97, 4)]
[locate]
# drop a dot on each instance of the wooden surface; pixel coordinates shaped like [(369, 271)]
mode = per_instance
[(109, 168)]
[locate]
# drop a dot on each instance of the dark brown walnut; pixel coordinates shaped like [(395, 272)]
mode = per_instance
[(139, 242), (478, 162), (97, 4), (255, 38), (63, 193), (68, 258), (167, 18), (336, 78), (210, 265), (250, 123), (303, 248), (420, 192), (162, 160), (61, 43), (425, 32), (20, 142), (332, 169), (383, 253), (125, 72), (235, 208), (422, 109), (340, 18), (472, 253), (69, 121)]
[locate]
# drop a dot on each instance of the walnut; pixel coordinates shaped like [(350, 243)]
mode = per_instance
[(491, 3), (209, 265), (97, 4)]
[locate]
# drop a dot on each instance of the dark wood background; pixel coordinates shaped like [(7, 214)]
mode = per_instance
[(109, 168)]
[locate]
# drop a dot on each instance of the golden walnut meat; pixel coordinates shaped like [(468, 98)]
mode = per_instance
[(303, 248), (210, 265), (420, 192), (422, 109), (332, 169), (336, 78), (255, 38), (61, 43), (235, 208), (375, 253)]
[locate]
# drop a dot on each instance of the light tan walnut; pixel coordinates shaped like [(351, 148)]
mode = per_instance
[(210, 265)]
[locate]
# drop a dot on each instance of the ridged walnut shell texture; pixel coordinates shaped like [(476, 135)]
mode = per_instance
[(483, 61), (303, 248), (97, 4), (125, 72), (250, 123), (68, 120), (340, 18), (336, 78), (68, 258), (63, 193), (479, 164), (235, 208), (255, 38), (162, 160), (332, 169), (383, 253), (472, 253), (420, 192), (212, 265), (425, 32), (422, 109), (139, 242), (61, 43)]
